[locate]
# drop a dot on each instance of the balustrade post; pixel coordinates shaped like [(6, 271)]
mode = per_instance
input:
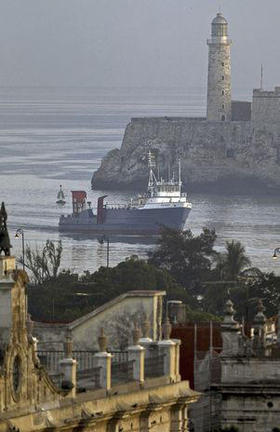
[(103, 360), (136, 353), (68, 368), (177, 359), (168, 348)]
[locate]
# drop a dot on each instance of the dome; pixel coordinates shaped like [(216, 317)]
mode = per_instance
[(219, 26), (219, 19)]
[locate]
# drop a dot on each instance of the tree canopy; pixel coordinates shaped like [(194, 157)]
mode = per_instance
[(44, 263), (187, 258), (186, 266), (69, 296)]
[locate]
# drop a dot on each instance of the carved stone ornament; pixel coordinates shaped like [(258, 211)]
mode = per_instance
[(146, 328), (136, 335), (5, 245), (68, 344), (260, 317), (16, 376), (102, 341), (229, 321), (29, 325), (166, 329)]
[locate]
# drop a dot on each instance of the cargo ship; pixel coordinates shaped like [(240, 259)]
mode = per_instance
[(163, 204)]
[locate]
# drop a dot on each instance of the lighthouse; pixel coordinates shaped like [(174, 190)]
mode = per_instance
[(219, 71)]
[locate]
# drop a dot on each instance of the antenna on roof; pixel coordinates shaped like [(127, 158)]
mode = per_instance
[(261, 87)]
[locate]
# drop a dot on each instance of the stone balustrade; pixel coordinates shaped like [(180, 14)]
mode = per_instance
[(144, 359)]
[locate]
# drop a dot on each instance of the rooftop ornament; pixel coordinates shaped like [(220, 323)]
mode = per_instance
[(102, 341), (5, 245), (136, 334), (166, 329), (20, 233), (229, 322), (146, 328), (260, 317), (68, 344)]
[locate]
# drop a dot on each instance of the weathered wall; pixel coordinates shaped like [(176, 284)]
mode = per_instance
[(266, 106), (213, 154), (219, 81), (116, 317), (156, 406), (250, 393), (234, 371), (241, 110)]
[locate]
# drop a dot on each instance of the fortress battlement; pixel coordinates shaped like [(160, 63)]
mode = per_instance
[(260, 93), (237, 143)]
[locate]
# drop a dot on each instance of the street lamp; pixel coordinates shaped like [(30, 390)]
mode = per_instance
[(276, 251), (20, 233), (101, 241)]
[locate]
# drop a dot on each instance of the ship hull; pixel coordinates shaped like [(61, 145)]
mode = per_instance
[(128, 221)]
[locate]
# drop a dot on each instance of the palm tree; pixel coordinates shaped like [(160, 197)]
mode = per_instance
[(234, 260)]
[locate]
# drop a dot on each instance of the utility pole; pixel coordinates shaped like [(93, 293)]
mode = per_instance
[(108, 252), (261, 77), (20, 233)]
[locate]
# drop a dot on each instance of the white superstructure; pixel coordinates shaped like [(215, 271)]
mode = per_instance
[(162, 193)]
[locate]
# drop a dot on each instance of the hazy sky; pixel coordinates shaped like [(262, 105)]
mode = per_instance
[(133, 42)]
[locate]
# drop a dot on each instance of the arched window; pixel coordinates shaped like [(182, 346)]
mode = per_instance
[(223, 117)]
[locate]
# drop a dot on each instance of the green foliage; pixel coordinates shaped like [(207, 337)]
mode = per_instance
[(245, 293), (194, 315), (183, 265), (230, 264), (43, 264), (230, 429), (230, 278), (68, 296), (227, 429), (186, 257), (265, 286)]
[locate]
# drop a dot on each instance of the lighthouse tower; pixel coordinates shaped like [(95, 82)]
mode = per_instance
[(219, 72)]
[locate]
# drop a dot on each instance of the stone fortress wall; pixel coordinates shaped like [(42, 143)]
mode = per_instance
[(212, 153), (236, 147), (266, 106)]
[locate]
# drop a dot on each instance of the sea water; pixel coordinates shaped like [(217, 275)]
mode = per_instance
[(53, 136)]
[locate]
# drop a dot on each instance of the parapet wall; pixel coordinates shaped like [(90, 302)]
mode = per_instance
[(266, 106), (212, 153)]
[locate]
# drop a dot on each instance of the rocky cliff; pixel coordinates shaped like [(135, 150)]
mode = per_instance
[(215, 155)]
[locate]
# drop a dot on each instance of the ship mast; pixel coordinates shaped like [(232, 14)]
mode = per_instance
[(152, 178), (180, 175)]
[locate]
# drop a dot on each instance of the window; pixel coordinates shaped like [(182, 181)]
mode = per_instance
[(223, 64), (223, 92), (223, 77), (223, 117), (223, 106)]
